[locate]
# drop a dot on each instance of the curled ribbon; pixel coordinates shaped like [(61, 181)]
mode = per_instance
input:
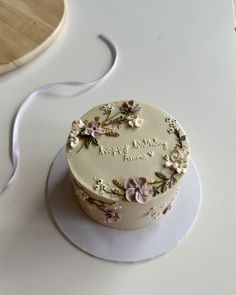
[(14, 151)]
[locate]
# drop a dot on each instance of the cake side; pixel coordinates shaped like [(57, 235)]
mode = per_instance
[(129, 156), (123, 215)]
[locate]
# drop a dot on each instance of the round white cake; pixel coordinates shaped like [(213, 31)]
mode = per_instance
[(126, 160)]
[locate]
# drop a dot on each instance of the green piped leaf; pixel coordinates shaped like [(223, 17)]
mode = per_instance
[(155, 191), (94, 141), (164, 188), (86, 144), (161, 175), (89, 140), (117, 183), (116, 191)]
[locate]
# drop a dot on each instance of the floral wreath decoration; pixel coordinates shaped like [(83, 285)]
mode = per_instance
[(132, 189)]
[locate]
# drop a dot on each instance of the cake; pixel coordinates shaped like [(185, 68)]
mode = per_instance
[(126, 161)]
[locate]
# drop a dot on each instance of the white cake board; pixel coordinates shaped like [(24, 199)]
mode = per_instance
[(121, 245)]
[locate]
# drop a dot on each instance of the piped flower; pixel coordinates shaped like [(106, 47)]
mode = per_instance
[(81, 193), (77, 125), (170, 120), (73, 139), (94, 129), (135, 121), (130, 107), (99, 186), (107, 108), (177, 160), (111, 216), (137, 189), (153, 213), (170, 130)]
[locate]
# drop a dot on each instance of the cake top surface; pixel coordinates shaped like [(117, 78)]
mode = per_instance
[(127, 150)]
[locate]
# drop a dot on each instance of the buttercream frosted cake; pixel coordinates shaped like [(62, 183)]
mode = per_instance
[(126, 160)]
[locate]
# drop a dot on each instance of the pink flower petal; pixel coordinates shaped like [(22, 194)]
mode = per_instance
[(130, 182), (141, 181), (131, 103), (146, 190), (140, 198), (88, 131), (99, 131), (130, 107), (130, 194), (90, 124)]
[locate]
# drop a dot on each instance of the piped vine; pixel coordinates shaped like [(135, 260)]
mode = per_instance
[(90, 131)]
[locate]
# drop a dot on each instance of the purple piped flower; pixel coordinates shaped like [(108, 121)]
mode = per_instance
[(153, 213), (112, 216), (130, 107), (137, 189), (94, 129)]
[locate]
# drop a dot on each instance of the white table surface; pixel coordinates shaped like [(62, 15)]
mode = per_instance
[(180, 55)]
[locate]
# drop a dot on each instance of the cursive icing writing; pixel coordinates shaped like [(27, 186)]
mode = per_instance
[(114, 150), (135, 157), (150, 142), (128, 158)]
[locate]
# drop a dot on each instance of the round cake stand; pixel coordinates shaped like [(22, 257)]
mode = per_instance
[(121, 245)]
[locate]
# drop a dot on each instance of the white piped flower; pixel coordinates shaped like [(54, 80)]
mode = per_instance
[(99, 186), (170, 130), (77, 124), (73, 133), (177, 160), (168, 162), (135, 121), (73, 141), (107, 108), (175, 165)]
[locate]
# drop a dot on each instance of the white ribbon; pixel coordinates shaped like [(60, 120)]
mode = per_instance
[(14, 151)]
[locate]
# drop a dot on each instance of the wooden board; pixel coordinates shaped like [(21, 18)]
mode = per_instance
[(27, 27)]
